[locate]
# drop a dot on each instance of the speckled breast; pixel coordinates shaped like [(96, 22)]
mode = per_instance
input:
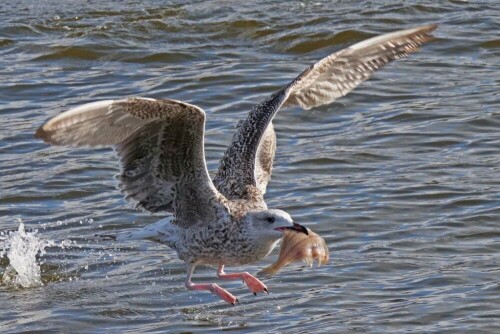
[(221, 243)]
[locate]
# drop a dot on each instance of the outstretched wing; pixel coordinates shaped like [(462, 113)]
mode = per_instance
[(265, 158), (160, 145), (240, 174)]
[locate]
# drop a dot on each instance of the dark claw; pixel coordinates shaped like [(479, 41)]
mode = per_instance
[(237, 301), (255, 293), (266, 291)]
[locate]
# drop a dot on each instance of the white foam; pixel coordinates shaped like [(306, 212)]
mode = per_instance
[(22, 249)]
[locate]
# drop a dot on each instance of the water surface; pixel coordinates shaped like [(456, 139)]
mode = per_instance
[(401, 177)]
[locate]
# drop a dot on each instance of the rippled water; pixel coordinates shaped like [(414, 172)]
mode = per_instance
[(401, 177)]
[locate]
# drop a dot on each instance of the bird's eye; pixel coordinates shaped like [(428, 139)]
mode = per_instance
[(270, 220)]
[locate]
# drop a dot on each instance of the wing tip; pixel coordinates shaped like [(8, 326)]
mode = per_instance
[(427, 30), (428, 27), (43, 134), (423, 33)]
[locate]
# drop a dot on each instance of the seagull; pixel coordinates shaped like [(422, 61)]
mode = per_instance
[(160, 144)]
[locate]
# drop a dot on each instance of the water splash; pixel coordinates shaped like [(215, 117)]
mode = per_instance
[(22, 249)]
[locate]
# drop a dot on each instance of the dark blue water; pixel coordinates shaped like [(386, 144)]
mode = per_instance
[(401, 177)]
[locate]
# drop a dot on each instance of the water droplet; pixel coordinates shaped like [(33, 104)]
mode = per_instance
[(22, 248), (65, 243)]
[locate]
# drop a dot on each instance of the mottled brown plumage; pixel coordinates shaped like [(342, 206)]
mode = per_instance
[(160, 144), (330, 78)]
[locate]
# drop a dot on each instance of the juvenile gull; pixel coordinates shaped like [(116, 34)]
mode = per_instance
[(160, 145)]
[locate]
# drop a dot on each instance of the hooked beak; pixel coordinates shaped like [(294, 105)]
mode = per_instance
[(295, 227)]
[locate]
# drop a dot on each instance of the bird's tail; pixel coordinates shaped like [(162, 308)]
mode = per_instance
[(129, 235), (162, 231)]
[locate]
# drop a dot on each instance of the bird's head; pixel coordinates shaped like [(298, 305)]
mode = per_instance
[(270, 224)]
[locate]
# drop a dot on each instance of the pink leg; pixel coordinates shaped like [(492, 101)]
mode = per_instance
[(212, 287), (254, 284)]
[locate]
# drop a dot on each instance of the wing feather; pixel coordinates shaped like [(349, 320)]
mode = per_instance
[(241, 173), (160, 146), (339, 73)]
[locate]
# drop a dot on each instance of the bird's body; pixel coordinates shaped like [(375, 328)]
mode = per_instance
[(221, 242), (160, 143), (228, 239)]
